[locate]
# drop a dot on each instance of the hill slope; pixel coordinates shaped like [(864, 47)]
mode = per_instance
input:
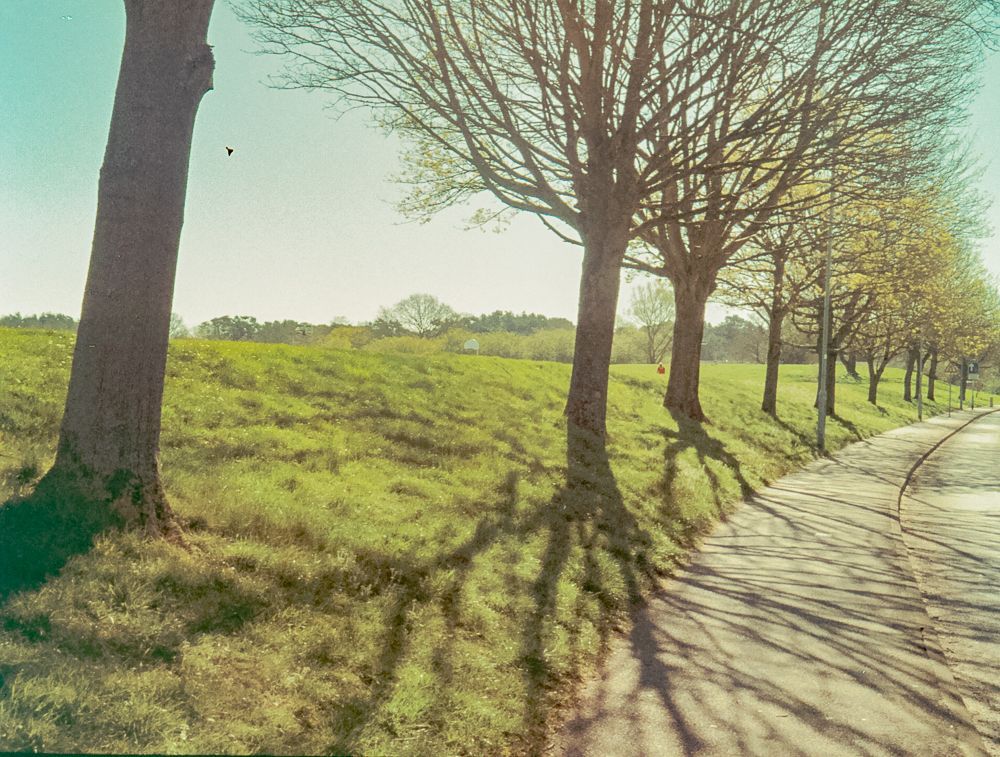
[(382, 557)]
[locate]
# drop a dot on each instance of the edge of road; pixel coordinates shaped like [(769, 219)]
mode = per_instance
[(923, 458), (929, 637)]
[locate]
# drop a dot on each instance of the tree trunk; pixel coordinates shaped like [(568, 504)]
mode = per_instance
[(775, 319), (774, 323), (651, 345), (586, 406), (690, 298), (911, 361), (831, 375), (874, 376), (850, 361), (932, 373), (831, 381), (111, 427)]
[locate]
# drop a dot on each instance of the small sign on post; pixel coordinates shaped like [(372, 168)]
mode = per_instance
[(972, 374)]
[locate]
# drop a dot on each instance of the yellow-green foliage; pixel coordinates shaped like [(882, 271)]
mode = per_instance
[(382, 556)]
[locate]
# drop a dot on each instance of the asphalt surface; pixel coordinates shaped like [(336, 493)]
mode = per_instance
[(951, 524), (798, 629)]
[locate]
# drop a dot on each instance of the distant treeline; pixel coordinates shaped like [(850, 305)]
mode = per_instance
[(528, 336), (56, 321)]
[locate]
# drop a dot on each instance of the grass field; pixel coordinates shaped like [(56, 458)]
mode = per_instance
[(382, 555)]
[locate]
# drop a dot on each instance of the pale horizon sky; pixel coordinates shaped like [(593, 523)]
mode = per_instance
[(299, 223)]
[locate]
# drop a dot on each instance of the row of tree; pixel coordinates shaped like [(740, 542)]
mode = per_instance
[(660, 136)]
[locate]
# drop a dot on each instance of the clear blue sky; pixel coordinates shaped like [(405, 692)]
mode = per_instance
[(298, 223)]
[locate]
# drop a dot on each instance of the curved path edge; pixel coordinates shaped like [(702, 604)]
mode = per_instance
[(797, 629), (948, 515)]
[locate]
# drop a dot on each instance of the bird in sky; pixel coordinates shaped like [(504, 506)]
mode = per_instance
[(229, 151)]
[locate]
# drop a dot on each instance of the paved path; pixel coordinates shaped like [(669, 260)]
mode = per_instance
[(951, 524), (798, 629)]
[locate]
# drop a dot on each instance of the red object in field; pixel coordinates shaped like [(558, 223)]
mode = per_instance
[(660, 369)]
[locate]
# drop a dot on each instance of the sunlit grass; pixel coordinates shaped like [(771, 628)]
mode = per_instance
[(382, 555)]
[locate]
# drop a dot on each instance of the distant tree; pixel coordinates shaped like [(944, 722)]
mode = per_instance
[(54, 321), (735, 340), (108, 450), (421, 314), (347, 337), (178, 330), (652, 307), (630, 345), (234, 328), (290, 332), (523, 323)]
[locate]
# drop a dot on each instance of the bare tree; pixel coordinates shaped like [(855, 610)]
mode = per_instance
[(544, 104), (771, 276), (652, 307), (109, 439), (680, 124), (792, 87), (178, 329), (420, 314)]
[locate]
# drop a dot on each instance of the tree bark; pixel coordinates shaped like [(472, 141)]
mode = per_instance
[(932, 373), (911, 361), (690, 299), (775, 319), (774, 323), (850, 361), (604, 249), (874, 376), (109, 439), (831, 381), (832, 354)]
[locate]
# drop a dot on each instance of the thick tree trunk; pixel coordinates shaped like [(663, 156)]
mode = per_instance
[(774, 323), (911, 362), (932, 373), (690, 299), (586, 406), (111, 427)]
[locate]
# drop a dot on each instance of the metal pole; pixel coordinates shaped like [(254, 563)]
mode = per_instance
[(825, 338), (920, 373)]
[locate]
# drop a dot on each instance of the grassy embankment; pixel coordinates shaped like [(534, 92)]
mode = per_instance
[(382, 557)]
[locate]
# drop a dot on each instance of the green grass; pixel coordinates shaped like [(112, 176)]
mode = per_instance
[(383, 556)]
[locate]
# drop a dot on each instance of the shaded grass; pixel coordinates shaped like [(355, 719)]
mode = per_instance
[(387, 553)]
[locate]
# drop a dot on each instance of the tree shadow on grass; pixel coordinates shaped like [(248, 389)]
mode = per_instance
[(587, 513), (806, 439), (852, 428), (692, 434), (40, 532)]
